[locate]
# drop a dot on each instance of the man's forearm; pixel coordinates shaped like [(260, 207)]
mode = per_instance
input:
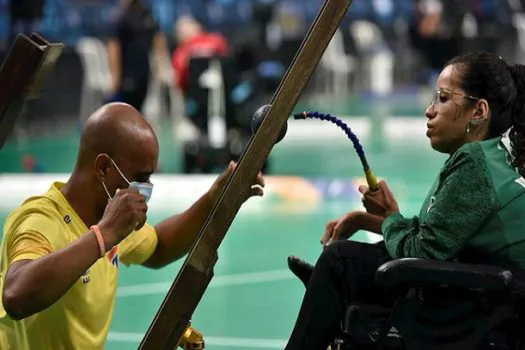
[(33, 285), (114, 63), (161, 51), (177, 233)]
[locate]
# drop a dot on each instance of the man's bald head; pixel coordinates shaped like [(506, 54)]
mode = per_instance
[(118, 130), (117, 147)]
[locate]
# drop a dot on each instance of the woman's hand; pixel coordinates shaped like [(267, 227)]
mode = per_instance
[(342, 228), (380, 202)]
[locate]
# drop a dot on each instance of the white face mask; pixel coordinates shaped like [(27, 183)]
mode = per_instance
[(144, 188)]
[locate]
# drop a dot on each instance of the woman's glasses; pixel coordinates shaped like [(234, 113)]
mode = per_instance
[(441, 96)]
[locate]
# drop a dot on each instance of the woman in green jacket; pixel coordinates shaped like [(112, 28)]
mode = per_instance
[(474, 212)]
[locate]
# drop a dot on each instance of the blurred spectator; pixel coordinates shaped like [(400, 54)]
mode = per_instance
[(194, 41), (436, 30), (134, 37), (30, 164)]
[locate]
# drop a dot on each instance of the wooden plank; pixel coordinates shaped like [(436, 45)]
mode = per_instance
[(196, 273), (22, 76)]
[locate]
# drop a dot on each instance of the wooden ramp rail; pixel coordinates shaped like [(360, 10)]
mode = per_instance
[(174, 315)]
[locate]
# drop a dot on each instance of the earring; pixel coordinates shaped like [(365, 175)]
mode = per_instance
[(474, 122)]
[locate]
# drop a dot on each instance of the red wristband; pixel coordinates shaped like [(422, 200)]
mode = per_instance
[(100, 240)]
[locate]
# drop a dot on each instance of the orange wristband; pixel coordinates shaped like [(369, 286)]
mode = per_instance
[(100, 240)]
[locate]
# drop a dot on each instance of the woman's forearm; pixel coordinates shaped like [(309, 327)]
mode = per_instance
[(371, 223)]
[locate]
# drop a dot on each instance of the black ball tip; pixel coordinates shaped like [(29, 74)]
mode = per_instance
[(301, 115)]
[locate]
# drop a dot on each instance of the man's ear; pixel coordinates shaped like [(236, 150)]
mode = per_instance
[(102, 164)]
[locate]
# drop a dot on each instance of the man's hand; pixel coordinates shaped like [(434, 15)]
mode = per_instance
[(380, 202), (342, 228), (257, 188), (124, 213)]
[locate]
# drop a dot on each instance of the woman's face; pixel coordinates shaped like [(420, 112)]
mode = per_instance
[(449, 113)]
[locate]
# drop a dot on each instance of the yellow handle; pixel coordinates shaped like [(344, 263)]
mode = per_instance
[(371, 180)]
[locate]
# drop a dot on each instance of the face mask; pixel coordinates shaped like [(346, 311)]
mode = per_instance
[(144, 188)]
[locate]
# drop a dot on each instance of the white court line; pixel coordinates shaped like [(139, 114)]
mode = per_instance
[(218, 281), (216, 341)]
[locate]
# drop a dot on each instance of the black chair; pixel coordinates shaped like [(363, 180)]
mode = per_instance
[(201, 155), (197, 96), (441, 305)]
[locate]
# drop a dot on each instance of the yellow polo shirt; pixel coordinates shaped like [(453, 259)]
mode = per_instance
[(80, 319)]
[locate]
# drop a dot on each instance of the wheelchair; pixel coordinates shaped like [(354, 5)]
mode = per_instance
[(440, 305)]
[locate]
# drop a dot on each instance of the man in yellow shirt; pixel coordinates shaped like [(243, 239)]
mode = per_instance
[(60, 251)]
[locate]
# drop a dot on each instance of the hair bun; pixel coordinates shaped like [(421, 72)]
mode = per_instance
[(517, 71)]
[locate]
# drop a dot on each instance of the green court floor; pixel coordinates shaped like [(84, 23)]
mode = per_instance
[(253, 300)]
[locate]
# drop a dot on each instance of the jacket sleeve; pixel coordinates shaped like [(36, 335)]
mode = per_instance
[(463, 202)]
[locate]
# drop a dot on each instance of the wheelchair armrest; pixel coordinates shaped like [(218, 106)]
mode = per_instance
[(412, 272)]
